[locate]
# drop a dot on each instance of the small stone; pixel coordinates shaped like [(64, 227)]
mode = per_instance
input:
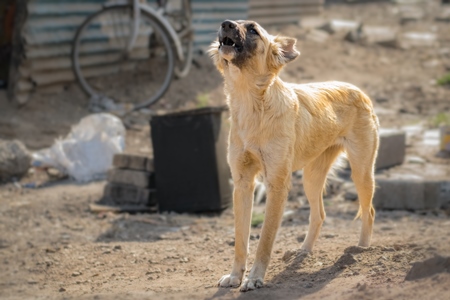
[(54, 172), (330, 235), (15, 160), (301, 237), (288, 255), (351, 194), (361, 287), (254, 237), (75, 274), (309, 285), (230, 243), (388, 249), (415, 160), (61, 289), (117, 247)]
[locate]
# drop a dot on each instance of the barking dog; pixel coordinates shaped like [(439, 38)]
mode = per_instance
[(279, 127)]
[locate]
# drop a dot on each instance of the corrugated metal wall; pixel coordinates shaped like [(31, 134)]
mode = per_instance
[(48, 34), (51, 25), (270, 12), (208, 14)]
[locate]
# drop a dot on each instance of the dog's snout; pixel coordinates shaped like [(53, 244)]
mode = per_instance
[(227, 25)]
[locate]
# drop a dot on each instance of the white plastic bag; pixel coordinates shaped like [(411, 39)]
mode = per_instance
[(86, 153)]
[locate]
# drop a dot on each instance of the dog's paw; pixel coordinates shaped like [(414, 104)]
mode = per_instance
[(229, 281), (252, 284)]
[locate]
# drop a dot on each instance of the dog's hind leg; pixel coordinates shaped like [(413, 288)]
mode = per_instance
[(244, 169), (361, 150), (314, 179)]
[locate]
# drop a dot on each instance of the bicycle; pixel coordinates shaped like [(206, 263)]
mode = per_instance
[(128, 52)]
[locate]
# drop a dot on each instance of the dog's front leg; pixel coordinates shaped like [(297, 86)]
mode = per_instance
[(243, 170), (277, 182)]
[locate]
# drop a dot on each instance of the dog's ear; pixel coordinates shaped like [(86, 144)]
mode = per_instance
[(284, 49)]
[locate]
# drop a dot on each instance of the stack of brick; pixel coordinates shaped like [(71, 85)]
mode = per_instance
[(131, 182)]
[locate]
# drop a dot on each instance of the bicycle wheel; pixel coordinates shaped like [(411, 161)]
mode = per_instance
[(105, 69), (181, 20)]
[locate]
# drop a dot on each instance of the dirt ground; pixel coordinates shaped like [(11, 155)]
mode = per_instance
[(52, 246)]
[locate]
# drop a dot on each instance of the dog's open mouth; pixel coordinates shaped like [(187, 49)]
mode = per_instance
[(227, 43)]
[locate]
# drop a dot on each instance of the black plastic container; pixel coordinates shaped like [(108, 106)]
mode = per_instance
[(191, 169)]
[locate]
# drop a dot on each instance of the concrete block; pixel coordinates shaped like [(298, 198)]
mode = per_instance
[(414, 194), (379, 34), (417, 39), (411, 13), (122, 194), (373, 34), (391, 151), (134, 162), (335, 26), (150, 165), (444, 14), (142, 179), (318, 36), (311, 22), (445, 194)]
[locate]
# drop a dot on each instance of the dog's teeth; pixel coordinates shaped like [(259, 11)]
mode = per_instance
[(234, 44)]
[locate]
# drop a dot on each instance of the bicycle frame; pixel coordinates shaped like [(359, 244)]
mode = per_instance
[(158, 15)]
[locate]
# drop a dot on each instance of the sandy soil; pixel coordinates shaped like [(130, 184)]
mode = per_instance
[(52, 246)]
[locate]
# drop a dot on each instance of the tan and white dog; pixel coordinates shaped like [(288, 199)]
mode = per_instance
[(279, 127)]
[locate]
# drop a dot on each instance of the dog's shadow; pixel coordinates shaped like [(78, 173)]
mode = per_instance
[(292, 281)]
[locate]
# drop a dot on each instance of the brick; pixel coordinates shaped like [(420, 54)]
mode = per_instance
[(150, 165), (391, 151), (123, 194), (133, 162), (415, 194), (142, 179), (445, 195)]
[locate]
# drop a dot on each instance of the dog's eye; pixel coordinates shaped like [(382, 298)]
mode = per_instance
[(253, 31)]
